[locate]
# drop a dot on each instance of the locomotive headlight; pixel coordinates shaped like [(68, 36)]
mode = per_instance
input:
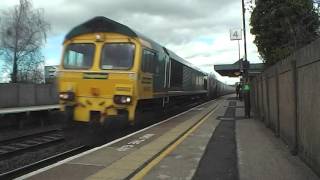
[(121, 99), (100, 37), (68, 96)]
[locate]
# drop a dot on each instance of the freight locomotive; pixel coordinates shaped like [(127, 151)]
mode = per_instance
[(110, 72)]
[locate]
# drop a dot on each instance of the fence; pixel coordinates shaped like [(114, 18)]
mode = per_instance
[(22, 95), (287, 98)]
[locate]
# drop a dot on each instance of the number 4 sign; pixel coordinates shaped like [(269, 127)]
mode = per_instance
[(235, 34)]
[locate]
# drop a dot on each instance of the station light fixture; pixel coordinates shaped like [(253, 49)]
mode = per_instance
[(237, 73)]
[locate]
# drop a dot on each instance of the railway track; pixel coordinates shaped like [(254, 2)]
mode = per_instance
[(21, 144), (42, 163)]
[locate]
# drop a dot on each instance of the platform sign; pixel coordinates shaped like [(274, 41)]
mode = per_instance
[(50, 73), (235, 34)]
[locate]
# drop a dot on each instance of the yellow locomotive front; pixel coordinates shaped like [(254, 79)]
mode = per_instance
[(98, 76), (111, 73)]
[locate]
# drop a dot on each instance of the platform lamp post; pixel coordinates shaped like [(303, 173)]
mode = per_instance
[(244, 39), (245, 65)]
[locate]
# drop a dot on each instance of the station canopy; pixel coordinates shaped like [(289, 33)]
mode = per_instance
[(233, 70)]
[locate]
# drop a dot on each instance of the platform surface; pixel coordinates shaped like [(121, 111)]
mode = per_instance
[(263, 156), (28, 109), (211, 141)]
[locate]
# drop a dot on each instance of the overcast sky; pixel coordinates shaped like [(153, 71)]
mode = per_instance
[(197, 30)]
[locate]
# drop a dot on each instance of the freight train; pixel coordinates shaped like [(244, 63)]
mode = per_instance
[(110, 72)]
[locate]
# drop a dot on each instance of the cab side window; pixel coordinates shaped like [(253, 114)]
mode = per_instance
[(148, 61)]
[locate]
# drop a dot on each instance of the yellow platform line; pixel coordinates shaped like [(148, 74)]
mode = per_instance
[(143, 172)]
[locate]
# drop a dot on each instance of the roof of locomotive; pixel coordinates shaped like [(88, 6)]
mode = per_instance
[(100, 24), (181, 60), (103, 24)]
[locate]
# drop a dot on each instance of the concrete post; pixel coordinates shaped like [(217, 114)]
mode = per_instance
[(294, 149), (277, 130), (262, 99), (267, 122)]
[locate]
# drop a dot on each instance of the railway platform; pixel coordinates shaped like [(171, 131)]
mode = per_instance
[(29, 109), (210, 141)]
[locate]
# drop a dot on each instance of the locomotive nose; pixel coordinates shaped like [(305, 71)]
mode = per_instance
[(95, 91)]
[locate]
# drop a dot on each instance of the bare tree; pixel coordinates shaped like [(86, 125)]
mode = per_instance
[(23, 31)]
